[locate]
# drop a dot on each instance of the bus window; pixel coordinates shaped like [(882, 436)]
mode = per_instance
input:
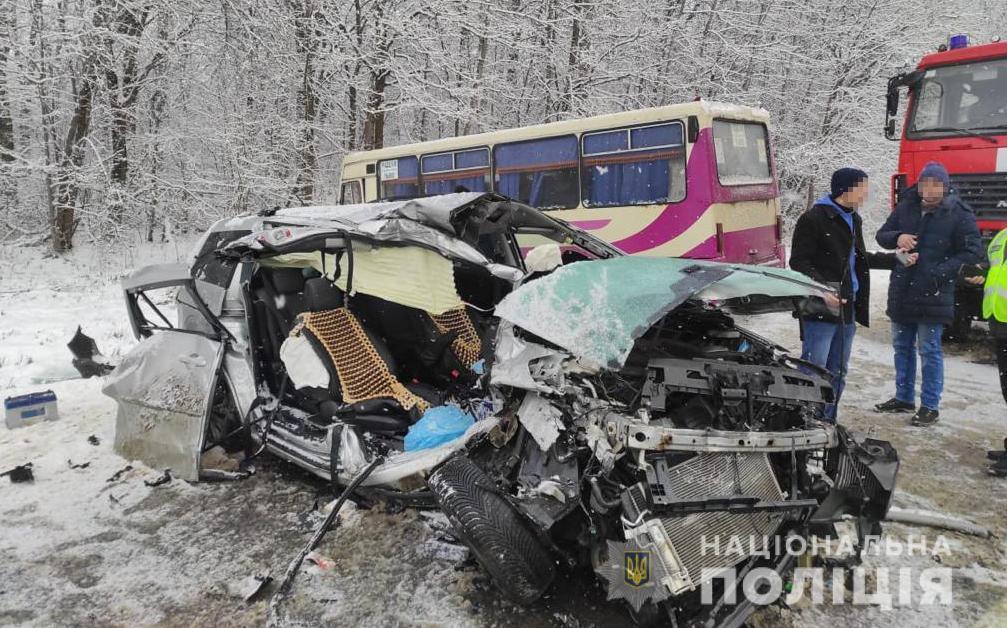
[(351, 193), (542, 173), (466, 170), (399, 178), (634, 166), (742, 152)]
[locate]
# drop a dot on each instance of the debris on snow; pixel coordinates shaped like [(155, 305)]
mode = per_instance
[(163, 479), (217, 458), (320, 561), (248, 588), (88, 361), (936, 520), (118, 474), (20, 473)]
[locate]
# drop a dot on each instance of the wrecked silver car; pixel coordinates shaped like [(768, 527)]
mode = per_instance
[(596, 402)]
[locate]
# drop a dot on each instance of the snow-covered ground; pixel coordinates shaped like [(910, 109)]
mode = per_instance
[(90, 545)]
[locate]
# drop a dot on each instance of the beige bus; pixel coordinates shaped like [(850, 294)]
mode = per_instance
[(691, 180)]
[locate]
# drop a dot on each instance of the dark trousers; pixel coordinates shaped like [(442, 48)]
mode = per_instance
[(1001, 351)]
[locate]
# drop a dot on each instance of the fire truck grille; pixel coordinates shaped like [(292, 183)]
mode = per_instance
[(985, 193)]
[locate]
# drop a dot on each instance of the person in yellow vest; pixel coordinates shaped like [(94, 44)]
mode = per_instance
[(995, 311)]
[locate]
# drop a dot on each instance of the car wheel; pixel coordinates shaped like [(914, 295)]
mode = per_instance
[(490, 526)]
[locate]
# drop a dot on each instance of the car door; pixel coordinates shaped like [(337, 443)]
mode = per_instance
[(164, 386)]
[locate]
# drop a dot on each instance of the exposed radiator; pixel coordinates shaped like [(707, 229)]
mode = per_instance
[(718, 475)]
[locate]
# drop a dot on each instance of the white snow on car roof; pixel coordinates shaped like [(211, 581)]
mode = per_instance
[(429, 207)]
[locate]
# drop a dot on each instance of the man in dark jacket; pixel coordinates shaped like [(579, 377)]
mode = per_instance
[(828, 246), (942, 229)]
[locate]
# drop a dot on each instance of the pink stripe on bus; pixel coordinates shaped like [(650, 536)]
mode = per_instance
[(677, 217), (591, 225), (702, 189)]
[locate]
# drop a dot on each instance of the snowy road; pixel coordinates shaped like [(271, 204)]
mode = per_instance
[(79, 548)]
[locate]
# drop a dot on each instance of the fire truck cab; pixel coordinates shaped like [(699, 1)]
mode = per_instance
[(957, 114)]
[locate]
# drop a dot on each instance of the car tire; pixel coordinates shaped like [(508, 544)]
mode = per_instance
[(489, 525)]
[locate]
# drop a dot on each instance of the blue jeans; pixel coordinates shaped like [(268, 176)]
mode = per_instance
[(905, 339), (829, 345)]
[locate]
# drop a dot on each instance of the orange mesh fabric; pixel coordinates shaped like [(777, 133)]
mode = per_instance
[(363, 375), (466, 346)]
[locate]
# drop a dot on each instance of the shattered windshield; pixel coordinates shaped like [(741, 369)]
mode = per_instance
[(596, 309)]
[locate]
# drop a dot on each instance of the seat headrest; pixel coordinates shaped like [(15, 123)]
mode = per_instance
[(320, 294), (287, 280)]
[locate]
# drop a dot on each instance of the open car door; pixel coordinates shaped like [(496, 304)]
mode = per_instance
[(164, 387)]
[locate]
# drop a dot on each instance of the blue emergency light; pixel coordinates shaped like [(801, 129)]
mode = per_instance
[(958, 41)]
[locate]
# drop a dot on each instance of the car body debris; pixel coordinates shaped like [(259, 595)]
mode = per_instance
[(162, 479), (19, 474)]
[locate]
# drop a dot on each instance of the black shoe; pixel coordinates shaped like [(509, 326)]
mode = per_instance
[(925, 416), (999, 468), (894, 405), (998, 454)]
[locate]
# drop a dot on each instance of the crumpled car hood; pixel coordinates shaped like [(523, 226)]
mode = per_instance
[(596, 309)]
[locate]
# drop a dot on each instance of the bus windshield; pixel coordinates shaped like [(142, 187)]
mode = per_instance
[(967, 97)]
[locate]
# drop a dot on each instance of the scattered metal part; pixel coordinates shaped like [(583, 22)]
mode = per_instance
[(163, 479), (20, 473), (248, 589), (936, 520), (118, 474)]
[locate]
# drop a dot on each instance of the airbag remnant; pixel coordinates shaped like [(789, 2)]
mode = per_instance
[(303, 365), (408, 275)]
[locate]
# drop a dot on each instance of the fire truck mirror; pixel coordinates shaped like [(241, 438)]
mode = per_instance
[(890, 128)]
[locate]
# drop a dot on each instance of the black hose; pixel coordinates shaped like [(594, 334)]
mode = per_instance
[(273, 620), (607, 504)]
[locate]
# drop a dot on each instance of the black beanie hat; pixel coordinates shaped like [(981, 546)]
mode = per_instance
[(845, 178)]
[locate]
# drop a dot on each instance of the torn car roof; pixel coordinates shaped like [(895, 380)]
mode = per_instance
[(433, 211), (597, 309)]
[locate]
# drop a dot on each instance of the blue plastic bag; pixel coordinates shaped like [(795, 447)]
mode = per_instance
[(437, 426)]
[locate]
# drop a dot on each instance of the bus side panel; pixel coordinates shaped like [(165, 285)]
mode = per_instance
[(741, 227), (687, 220)]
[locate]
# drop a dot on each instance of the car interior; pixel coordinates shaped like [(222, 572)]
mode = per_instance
[(387, 363)]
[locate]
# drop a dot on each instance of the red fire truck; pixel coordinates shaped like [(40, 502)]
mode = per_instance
[(957, 115)]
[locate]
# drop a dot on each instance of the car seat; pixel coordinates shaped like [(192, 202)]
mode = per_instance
[(362, 371)]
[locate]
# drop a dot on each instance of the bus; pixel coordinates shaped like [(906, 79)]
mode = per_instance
[(692, 180), (957, 114)]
